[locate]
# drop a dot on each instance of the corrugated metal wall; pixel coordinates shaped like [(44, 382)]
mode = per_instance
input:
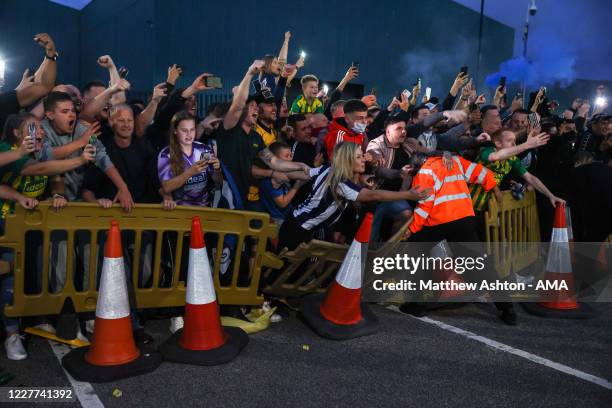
[(394, 41), (224, 37)]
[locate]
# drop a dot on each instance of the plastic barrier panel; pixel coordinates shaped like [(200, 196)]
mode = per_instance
[(58, 255)]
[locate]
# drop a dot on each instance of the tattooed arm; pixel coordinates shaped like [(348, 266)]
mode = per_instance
[(281, 165)]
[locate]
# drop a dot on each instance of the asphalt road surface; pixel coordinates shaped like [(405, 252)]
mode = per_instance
[(462, 357)]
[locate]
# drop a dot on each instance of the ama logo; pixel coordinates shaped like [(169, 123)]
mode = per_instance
[(552, 285)]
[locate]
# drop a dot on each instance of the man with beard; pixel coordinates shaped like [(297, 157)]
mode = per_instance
[(265, 128), (519, 122), (239, 145)]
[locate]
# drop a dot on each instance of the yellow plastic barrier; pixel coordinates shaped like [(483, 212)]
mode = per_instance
[(311, 267), (514, 223), (149, 220)]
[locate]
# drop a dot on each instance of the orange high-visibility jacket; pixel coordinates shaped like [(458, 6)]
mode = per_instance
[(451, 199)]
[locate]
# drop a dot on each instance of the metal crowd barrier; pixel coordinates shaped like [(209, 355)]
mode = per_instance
[(78, 230)]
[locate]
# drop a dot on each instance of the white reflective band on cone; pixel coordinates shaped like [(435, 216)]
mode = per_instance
[(113, 301), (559, 259), (350, 271), (200, 287)]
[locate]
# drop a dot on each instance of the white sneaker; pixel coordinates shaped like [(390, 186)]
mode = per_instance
[(89, 325), (81, 336), (176, 323), (46, 327), (275, 318), (14, 347)]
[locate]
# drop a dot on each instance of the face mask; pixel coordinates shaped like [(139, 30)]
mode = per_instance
[(359, 127)]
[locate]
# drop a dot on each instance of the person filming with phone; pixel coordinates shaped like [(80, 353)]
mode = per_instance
[(188, 170)]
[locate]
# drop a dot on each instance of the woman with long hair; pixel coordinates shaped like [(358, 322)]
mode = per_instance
[(188, 170), (334, 187)]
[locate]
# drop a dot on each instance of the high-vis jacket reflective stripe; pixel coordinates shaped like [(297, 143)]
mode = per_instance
[(450, 200)]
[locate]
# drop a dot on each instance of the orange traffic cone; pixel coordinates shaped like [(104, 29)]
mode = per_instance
[(202, 340), (560, 302), (341, 315), (113, 353)]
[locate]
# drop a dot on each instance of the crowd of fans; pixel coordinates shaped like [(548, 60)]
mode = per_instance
[(315, 164)]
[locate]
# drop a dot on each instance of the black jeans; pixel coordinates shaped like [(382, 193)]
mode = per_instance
[(291, 234), (461, 230)]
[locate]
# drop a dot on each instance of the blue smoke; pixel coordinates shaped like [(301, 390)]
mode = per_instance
[(550, 65)]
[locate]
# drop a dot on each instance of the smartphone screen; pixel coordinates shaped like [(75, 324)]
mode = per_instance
[(32, 130), (123, 72), (428, 92), (213, 81)]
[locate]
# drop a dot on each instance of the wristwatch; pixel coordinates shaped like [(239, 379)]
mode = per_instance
[(52, 58), (58, 196)]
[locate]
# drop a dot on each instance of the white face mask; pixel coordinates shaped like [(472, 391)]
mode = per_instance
[(359, 127)]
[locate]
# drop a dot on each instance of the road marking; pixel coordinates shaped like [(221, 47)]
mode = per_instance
[(517, 352), (83, 390)]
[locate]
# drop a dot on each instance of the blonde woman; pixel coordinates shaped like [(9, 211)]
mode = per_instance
[(334, 187)]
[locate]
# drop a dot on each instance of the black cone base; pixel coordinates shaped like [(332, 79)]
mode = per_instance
[(309, 310), (74, 362), (584, 311), (173, 352), (66, 326)]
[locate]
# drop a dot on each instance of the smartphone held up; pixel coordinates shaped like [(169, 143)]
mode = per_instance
[(213, 82)]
